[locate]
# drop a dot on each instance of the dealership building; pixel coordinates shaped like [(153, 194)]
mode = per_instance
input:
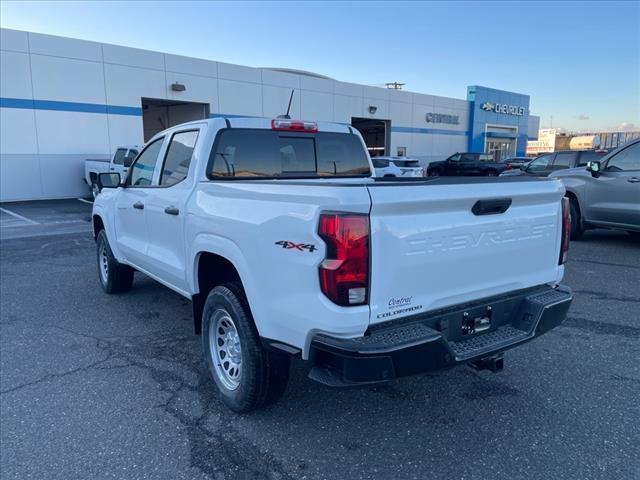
[(64, 100)]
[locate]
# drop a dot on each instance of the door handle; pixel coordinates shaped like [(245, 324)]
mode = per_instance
[(633, 180), (139, 205), (172, 210)]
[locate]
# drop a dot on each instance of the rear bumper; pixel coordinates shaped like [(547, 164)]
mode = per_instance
[(436, 341)]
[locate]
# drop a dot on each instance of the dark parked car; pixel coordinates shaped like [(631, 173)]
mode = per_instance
[(546, 163), (467, 164)]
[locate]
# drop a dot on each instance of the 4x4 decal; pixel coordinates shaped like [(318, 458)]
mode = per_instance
[(298, 246)]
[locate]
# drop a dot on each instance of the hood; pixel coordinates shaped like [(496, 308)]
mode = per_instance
[(570, 172)]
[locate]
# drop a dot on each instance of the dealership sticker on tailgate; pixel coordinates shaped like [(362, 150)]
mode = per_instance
[(399, 305)]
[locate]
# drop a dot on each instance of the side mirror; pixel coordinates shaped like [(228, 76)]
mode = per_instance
[(108, 180), (594, 167), (127, 162)]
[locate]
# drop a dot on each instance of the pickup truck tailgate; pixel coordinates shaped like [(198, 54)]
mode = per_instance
[(430, 248)]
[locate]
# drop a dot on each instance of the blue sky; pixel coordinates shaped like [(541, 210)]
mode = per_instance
[(579, 61)]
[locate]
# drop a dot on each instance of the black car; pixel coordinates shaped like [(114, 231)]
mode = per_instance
[(550, 162), (467, 164)]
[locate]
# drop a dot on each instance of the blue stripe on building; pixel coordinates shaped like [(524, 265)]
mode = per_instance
[(69, 106)]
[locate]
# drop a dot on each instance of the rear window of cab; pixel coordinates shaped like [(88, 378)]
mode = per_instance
[(252, 153)]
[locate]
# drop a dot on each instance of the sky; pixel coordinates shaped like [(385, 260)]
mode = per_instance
[(579, 61)]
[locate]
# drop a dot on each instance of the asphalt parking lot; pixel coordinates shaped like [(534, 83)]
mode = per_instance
[(98, 386)]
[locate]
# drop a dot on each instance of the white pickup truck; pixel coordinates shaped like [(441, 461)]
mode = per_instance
[(120, 163), (287, 246)]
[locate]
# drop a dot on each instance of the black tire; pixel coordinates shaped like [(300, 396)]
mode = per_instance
[(491, 173), (577, 227), (434, 173), (114, 277), (263, 374), (95, 190)]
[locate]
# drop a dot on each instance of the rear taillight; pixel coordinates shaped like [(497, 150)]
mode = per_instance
[(344, 272), (293, 125), (566, 230)]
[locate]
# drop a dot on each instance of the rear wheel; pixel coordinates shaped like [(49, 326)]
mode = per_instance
[(577, 227), (114, 276), (247, 376)]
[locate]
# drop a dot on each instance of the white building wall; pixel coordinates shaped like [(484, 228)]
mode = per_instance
[(96, 90)]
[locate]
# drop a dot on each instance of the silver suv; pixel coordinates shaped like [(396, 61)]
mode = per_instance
[(605, 194)]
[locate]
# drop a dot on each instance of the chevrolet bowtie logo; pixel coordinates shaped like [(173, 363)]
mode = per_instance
[(487, 106)]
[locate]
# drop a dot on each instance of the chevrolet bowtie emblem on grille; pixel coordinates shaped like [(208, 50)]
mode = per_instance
[(487, 106)]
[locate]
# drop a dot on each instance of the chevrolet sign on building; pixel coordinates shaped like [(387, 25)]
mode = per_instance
[(503, 108)]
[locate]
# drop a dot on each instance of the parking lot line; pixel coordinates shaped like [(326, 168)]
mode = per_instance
[(13, 214), (84, 201)]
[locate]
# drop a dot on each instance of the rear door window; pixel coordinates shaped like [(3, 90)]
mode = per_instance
[(564, 159), (586, 157), (251, 153), (178, 157)]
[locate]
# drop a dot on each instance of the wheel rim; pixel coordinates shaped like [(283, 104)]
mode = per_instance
[(435, 173), (226, 350), (103, 263), (95, 190)]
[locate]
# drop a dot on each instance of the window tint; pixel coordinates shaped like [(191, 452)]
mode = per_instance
[(118, 158), (380, 163), (625, 160), (468, 157), (142, 170), (407, 163), (131, 155), (454, 158), (486, 157), (540, 163), (178, 158), (266, 153), (586, 157), (564, 159)]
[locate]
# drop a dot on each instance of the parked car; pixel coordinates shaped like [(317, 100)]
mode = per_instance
[(397, 167), (467, 164), (605, 194), (120, 163), (546, 163), (287, 246), (517, 162)]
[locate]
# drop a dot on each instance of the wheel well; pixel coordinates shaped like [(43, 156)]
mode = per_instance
[(213, 270), (93, 176), (97, 226), (572, 197)]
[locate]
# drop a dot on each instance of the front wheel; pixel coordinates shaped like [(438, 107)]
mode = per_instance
[(247, 376), (491, 173), (577, 227), (114, 276), (435, 172), (95, 189)]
